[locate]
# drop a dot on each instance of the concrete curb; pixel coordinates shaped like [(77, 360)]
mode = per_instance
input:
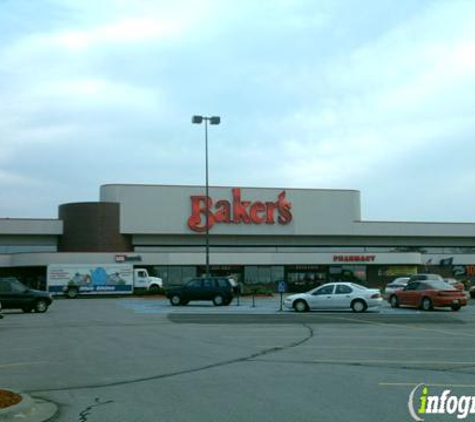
[(29, 409)]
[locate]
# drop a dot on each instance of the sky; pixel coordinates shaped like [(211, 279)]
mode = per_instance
[(373, 95)]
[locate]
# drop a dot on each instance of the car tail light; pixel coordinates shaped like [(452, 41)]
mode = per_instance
[(375, 296), (451, 293)]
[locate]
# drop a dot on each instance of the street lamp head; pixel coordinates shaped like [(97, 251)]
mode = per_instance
[(215, 120), (197, 119)]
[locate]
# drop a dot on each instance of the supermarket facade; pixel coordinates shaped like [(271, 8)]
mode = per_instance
[(258, 235)]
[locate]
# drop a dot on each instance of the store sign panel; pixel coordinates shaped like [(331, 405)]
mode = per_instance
[(464, 270), (127, 258), (354, 258), (238, 211)]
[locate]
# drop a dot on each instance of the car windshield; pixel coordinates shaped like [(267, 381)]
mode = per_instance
[(17, 285), (402, 280), (439, 285), (434, 277), (450, 280)]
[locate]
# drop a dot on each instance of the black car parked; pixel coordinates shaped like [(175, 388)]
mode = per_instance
[(15, 295), (218, 289)]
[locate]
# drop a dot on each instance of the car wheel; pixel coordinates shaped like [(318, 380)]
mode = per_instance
[(41, 306), (27, 309), (394, 301), (358, 305), (175, 300), (426, 304), (301, 306), (218, 300), (455, 308), (154, 288), (72, 293)]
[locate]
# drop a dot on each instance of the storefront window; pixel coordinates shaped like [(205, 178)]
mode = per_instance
[(306, 273), (278, 273), (173, 274), (397, 270), (263, 274), (352, 273), (251, 274), (187, 273), (302, 278), (234, 271)]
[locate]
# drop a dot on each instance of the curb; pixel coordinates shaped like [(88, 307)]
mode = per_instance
[(29, 410)]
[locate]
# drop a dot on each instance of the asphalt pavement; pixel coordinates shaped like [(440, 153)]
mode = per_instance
[(139, 359)]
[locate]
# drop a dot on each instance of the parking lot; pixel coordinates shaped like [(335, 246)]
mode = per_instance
[(139, 359)]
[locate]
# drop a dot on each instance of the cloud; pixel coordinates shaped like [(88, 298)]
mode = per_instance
[(325, 94), (127, 31)]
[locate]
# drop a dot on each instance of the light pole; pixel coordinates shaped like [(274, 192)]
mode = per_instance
[(214, 120)]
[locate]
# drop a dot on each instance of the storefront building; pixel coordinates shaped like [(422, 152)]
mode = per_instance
[(258, 235)]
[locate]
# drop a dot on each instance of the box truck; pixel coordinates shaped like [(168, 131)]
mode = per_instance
[(74, 279)]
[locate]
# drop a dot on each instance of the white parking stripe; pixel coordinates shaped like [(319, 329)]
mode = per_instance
[(413, 384)]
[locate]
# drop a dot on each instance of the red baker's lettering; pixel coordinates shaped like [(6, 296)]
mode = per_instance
[(271, 206), (257, 208), (284, 206), (239, 208), (200, 206), (223, 212), (238, 212)]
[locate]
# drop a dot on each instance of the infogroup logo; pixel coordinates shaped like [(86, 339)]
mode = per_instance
[(422, 403)]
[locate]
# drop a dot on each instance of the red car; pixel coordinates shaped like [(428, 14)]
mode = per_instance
[(429, 294)]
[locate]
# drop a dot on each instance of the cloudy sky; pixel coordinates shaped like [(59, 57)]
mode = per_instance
[(373, 95)]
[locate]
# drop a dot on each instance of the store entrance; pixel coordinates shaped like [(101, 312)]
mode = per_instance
[(234, 271), (350, 273), (302, 278)]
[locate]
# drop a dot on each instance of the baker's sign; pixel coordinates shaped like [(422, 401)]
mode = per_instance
[(238, 211)]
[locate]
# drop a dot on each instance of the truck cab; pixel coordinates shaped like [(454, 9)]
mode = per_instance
[(143, 281)]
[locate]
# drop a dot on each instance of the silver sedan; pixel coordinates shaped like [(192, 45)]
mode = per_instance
[(336, 296), (395, 285)]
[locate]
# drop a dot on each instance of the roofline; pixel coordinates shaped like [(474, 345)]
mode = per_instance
[(226, 187), (413, 222), (28, 219)]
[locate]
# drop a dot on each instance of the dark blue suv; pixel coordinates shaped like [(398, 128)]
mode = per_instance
[(217, 289), (14, 294)]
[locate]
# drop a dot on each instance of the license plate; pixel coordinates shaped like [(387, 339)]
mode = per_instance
[(455, 302)]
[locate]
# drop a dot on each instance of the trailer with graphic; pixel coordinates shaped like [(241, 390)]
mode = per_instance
[(90, 279)]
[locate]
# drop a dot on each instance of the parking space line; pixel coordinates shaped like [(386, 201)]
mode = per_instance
[(338, 347), (404, 361), (413, 384), (10, 365), (12, 349), (342, 337), (412, 327)]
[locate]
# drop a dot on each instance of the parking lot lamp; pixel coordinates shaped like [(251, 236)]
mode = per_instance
[(213, 120)]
